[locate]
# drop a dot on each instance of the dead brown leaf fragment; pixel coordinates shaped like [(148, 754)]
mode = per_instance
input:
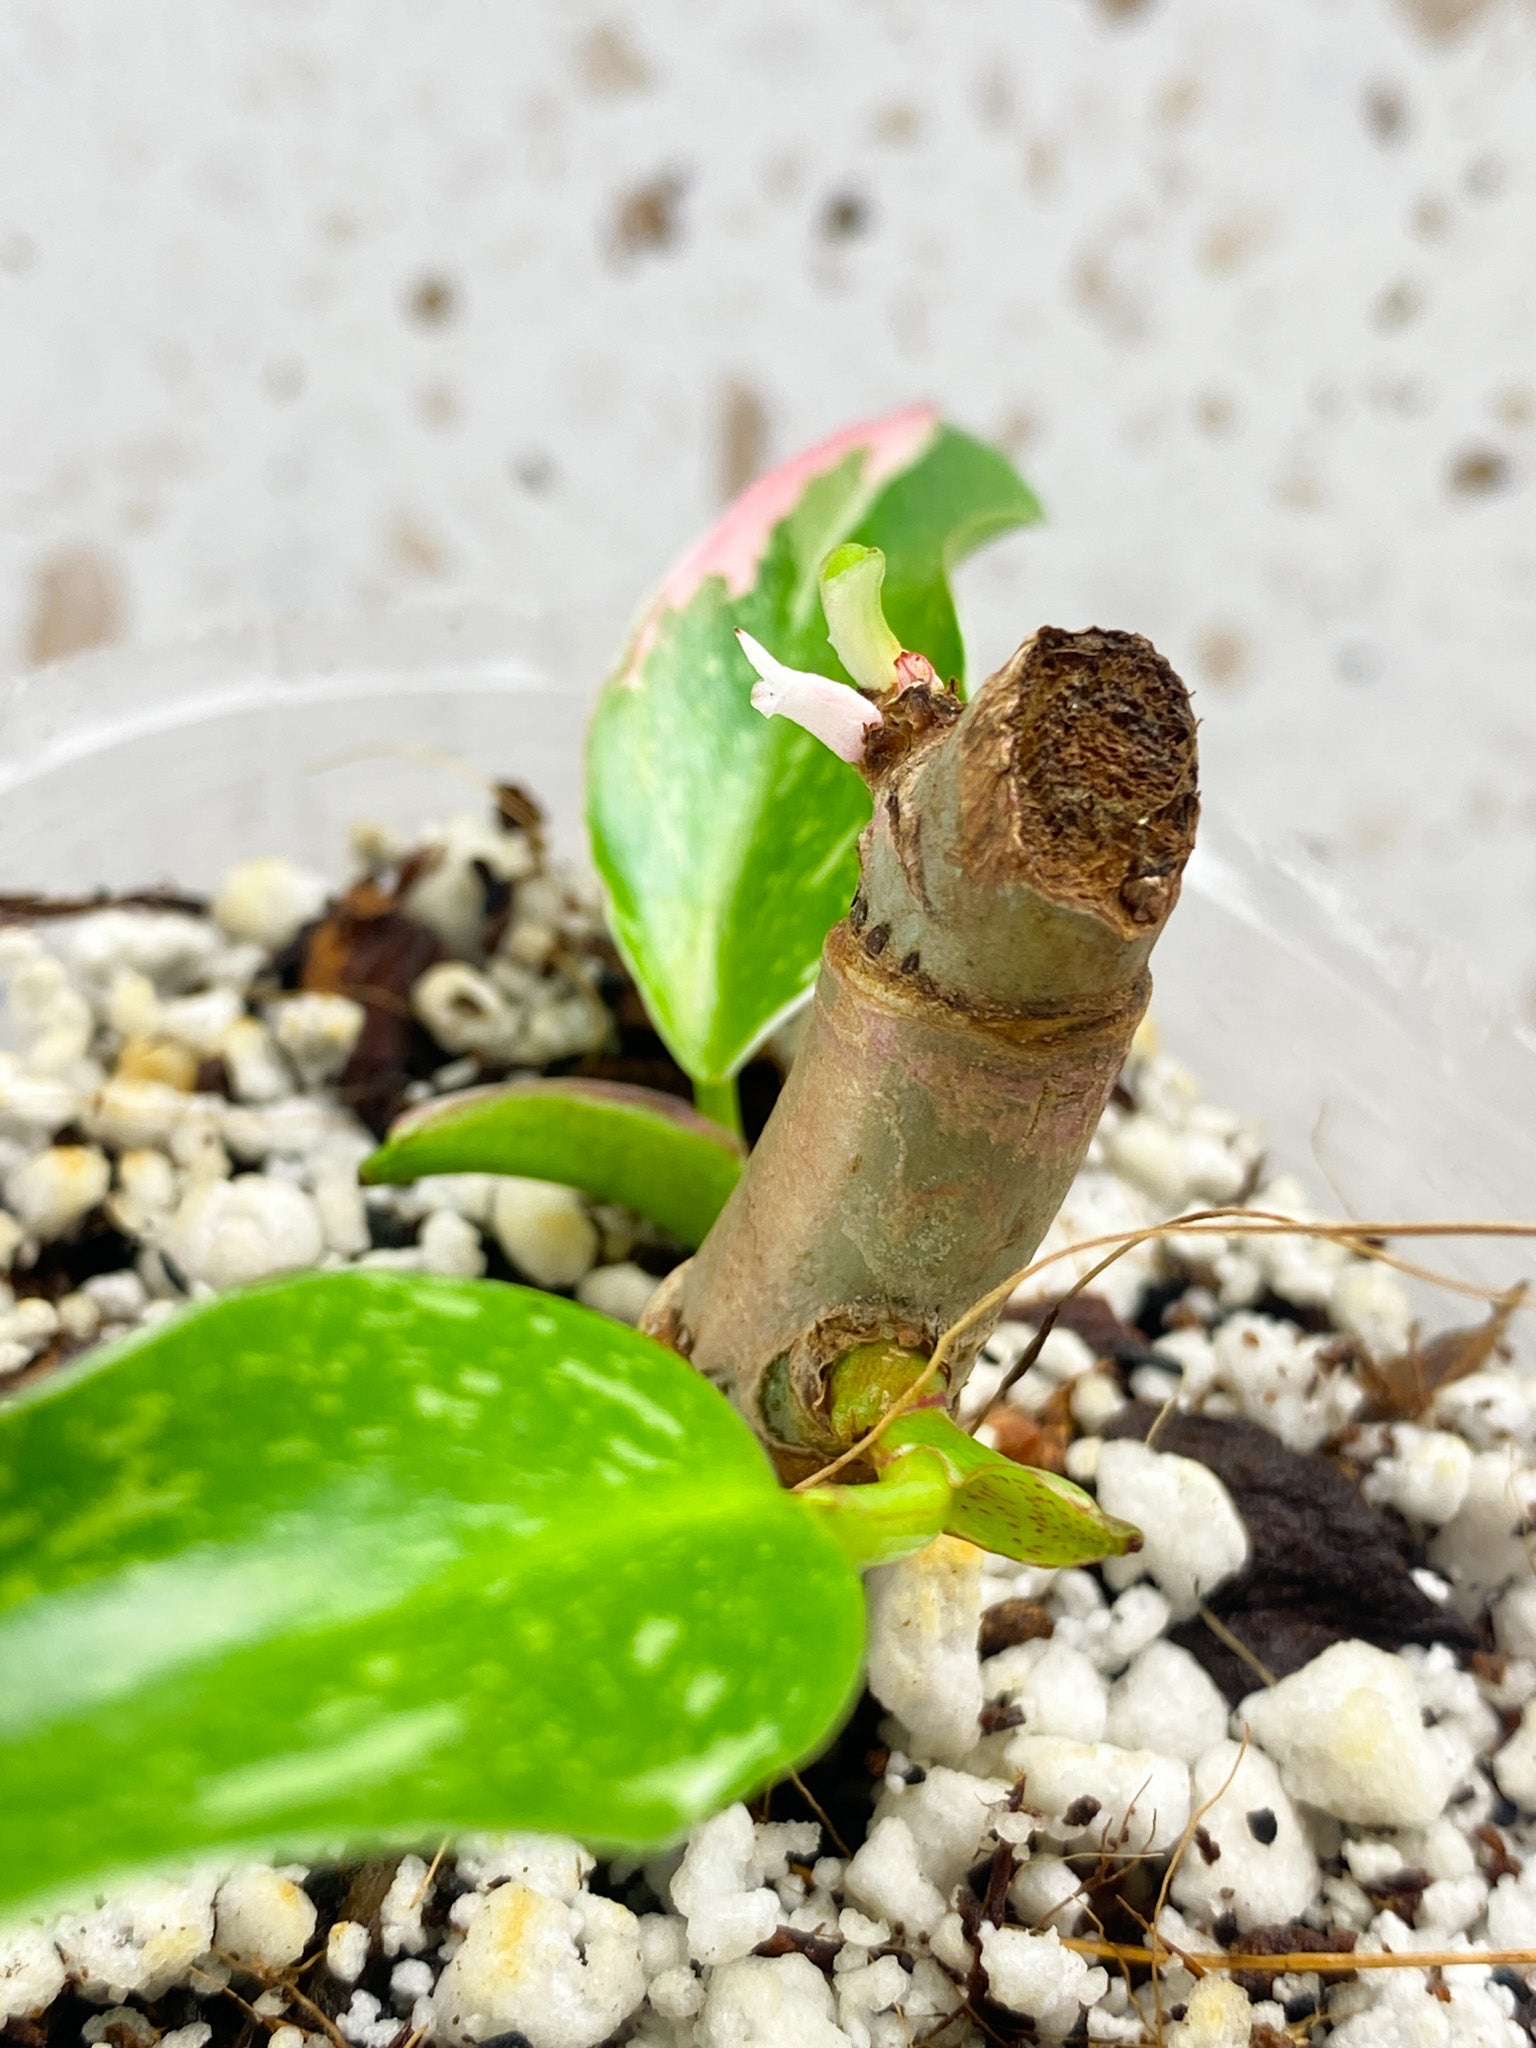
[(1040, 1441), (1008, 1622), (367, 949), (1401, 1389), (517, 811)]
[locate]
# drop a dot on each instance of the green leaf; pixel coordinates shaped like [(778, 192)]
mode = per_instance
[(618, 1144), (1015, 1510), (367, 1557), (726, 841)]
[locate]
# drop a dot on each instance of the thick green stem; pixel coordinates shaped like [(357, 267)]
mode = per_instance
[(973, 1013), (720, 1101)]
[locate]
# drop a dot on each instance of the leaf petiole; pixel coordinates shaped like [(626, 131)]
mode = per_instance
[(720, 1101), (904, 1509)]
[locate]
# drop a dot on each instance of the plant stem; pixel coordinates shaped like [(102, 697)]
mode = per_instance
[(973, 1013), (721, 1101)]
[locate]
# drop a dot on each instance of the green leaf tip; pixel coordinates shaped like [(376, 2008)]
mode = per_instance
[(726, 842), (615, 1142), (849, 556), (851, 577), (1014, 1510), (368, 1558)]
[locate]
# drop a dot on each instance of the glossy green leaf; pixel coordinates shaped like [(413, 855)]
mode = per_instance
[(618, 1144), (1015, 1510), (368, 1557), (726, 841)]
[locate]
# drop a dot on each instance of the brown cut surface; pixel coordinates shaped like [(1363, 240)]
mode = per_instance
[(1100, 761)]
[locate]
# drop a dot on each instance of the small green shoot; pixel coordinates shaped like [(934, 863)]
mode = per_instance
[(614, 1142), (1015, 1510), (850, 580), (932, 1479)]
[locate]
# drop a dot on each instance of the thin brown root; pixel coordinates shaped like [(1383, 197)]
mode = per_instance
[(1237, 1646), (1169, 1407), (290, 1990), (401, 750), (1171, 1872), (1328, 1962), (309, 2005), (819, 1810), (1357, 1237), (976, 2020), (432, 1869), (1248, 1223)]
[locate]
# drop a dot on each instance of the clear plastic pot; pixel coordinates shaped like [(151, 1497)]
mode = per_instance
[(1373, 1069)]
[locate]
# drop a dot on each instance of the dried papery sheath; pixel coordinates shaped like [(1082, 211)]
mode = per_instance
[(832, 713)]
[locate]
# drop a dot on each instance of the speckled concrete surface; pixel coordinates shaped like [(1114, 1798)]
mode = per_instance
[(313, 305)]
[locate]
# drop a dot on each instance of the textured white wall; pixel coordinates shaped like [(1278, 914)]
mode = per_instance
[(320, 304)]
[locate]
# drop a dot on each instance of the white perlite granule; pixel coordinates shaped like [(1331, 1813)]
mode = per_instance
[(1194, 1538), (563, 1975), (1035, 1975), (346, 1950), (1086, 1742), (262, 1918), (1254, 1860), (923, 1616), (728, 1914), (1347, 1735), (31, 1972)]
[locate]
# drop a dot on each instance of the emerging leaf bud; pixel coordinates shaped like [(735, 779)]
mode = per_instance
[(851, 577)]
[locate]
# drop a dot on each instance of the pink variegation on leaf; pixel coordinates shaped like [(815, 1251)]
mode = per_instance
[(830, 711), (735, 547)]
